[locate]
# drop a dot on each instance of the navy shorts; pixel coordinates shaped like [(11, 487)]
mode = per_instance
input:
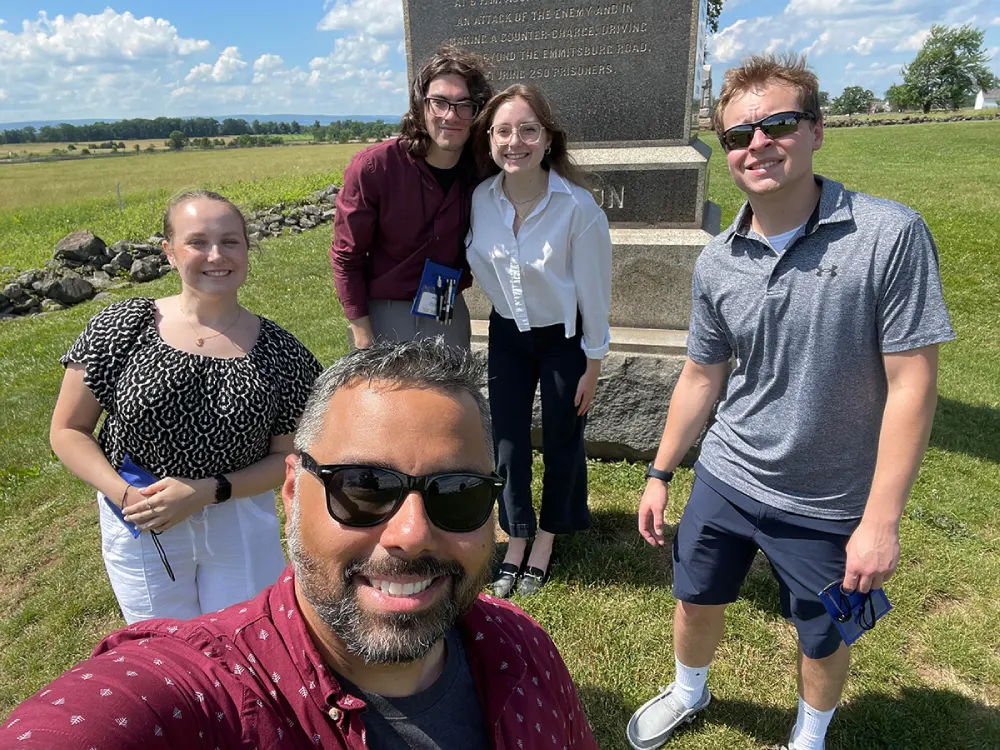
[(719, 535)]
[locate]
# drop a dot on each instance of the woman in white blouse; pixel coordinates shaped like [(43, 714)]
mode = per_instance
[(540, 248)]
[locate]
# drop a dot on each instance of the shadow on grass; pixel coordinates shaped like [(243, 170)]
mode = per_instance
[(968, 429), (611, 553), (608, 716), (920, 718)]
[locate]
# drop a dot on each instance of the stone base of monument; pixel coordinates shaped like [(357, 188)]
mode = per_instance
[(630, 407)]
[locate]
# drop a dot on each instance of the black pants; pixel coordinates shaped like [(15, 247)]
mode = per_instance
[(517, 363)]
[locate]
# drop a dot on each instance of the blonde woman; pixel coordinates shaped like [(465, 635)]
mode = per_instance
[(202, 399)]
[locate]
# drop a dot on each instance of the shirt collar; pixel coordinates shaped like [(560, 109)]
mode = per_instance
[(556, 185), (834, 206), (494, 659)]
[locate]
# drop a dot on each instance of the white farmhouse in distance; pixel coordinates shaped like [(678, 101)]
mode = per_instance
[(987, 99)]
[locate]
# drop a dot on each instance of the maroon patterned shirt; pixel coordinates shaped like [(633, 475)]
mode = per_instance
[(250, 676)]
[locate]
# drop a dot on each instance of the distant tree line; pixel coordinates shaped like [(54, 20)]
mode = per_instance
[(344, 131), (195, 127)]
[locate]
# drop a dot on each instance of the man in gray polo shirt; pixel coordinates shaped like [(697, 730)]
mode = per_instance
[(828, 305)]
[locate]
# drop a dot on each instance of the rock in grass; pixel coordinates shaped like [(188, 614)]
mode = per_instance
[(14, 292), (121, 262), (50, 305), (145, 269), (71, 290), (79, 246)]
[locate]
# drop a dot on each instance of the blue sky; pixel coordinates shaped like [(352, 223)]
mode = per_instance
[(81, 59)]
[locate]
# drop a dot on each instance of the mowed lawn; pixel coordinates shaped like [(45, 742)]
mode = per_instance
[(927, 677)]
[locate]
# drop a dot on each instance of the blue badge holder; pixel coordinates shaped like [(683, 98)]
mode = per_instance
[(854, 613), (436, 293), (136, 476)]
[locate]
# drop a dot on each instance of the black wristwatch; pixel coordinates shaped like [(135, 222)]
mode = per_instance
[(654, 473), (223, 489)]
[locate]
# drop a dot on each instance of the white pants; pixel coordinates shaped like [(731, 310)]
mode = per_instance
[(221, 555)]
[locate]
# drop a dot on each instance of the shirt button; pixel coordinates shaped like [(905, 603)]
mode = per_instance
[(334, 713)]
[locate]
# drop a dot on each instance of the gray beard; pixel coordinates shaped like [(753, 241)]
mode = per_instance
[(385, 638)]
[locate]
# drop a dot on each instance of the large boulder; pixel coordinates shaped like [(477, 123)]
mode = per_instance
[(71, 290), (79, 247), (145, 269)]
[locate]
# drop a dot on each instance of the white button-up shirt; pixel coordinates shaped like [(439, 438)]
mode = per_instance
[(559, 261)]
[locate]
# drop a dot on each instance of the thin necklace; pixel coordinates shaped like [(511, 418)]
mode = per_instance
[(200, 340), (522, 203)]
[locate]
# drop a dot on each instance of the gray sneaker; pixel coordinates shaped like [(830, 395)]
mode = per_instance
[(658, 717)]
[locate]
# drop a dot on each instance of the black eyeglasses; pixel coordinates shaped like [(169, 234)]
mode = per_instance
[(466, 110), (773, 126), (359, 495)]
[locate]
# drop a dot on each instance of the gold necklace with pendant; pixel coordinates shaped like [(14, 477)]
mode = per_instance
[(200, 340)]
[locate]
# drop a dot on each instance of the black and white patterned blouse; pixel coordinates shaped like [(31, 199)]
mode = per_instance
[(179, 414)]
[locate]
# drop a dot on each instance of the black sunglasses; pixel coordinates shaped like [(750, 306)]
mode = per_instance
[(359, 495), (773, 126)]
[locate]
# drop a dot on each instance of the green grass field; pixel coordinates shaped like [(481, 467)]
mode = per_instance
[(40, 203), (927, 677)]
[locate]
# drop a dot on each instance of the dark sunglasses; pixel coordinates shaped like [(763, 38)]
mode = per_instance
[(773, 126), (359, 495)]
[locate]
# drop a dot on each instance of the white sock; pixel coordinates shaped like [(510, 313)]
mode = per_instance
[(689, 684), (810, 727)]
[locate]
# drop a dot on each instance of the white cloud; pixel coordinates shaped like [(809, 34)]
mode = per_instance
[(115, 65), (225, 68), (995, 21), (228, 65), (108, 35), (913, 42), (725, 45), (264, 63), (863, 46), (382, 18), (202, 72)]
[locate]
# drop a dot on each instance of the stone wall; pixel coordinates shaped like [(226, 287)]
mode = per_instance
[(83, 265)]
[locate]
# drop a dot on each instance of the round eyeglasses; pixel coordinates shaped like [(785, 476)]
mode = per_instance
[(528, 132)]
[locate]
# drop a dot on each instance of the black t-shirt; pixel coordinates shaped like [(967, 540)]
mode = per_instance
[(445, 177), (446, 715)]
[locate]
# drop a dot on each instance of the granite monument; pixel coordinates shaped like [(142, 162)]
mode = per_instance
[(625, 80)]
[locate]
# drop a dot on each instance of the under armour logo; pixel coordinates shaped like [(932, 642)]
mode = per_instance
[(832, 270)]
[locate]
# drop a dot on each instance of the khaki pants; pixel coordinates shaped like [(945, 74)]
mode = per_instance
[(392, 321)]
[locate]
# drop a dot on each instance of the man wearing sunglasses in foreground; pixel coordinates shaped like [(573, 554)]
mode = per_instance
[(376, 635), (406, 201), (828, 304)]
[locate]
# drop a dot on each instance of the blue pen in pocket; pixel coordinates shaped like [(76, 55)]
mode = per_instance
[(854, 613), (138, 477)]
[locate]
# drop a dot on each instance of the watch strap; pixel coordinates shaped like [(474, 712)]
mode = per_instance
[(223, 489), (654, 473)]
